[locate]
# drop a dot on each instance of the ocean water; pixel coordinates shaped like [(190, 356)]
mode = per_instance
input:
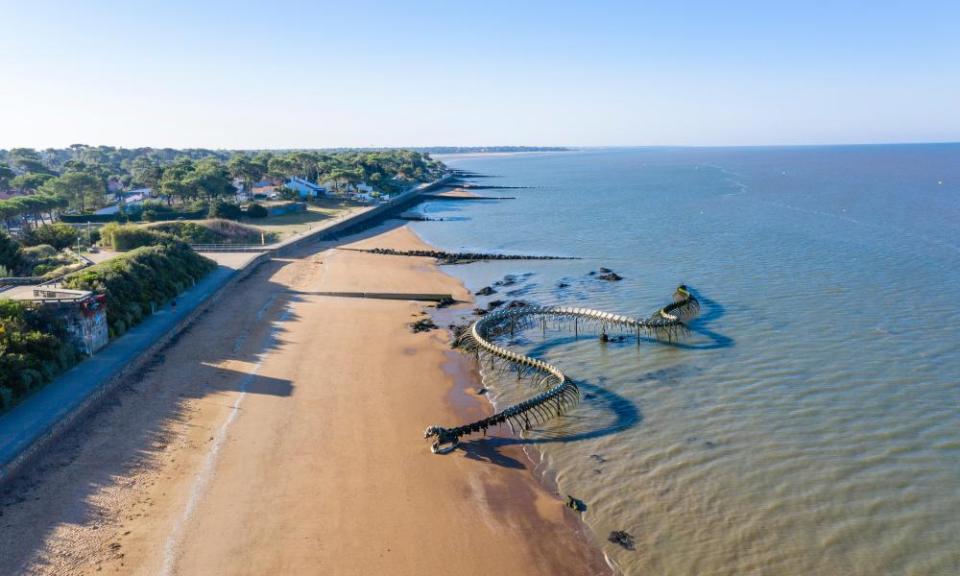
[(811, 422)]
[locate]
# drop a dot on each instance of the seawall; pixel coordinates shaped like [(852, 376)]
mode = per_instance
[(31, 426)]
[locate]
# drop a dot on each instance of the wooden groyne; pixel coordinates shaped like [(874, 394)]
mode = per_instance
[(456, 257), (417, 297), (560, 393)]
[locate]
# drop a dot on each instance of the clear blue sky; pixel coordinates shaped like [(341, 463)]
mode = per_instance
[(277, 74)]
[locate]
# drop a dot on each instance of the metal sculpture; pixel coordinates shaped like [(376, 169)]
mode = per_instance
[(668, 323)]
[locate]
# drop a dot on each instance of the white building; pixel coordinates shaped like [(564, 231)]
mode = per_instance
[(305, 188)]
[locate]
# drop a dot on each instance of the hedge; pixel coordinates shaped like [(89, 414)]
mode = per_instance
[(135, 281), (154, 216), (128, 237)]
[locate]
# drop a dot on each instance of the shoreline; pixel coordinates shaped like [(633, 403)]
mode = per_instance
[(324, 454)]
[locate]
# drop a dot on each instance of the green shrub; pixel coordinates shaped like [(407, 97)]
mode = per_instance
[(39, 252), (94, 235), (124, 237), (135, 215), (256, 211), (58, 235), (190, 232), (35, 348), (216, 231), (45, 260), (221, 209), (144, 276), (11, 255), (41, 269)]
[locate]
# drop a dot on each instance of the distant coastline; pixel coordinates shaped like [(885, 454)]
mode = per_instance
[(488, 149)]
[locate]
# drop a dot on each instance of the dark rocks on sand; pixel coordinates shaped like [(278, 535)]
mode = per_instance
[(494, 304), (479, 311), (423, 325), (576, 504), (622, 538), (485, 291)]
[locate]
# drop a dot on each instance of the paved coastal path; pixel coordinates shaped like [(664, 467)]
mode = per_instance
[(43, 410)]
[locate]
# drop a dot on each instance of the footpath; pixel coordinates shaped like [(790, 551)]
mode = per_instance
[(31, 425)]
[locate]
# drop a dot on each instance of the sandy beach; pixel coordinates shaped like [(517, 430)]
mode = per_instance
[(282, 434)]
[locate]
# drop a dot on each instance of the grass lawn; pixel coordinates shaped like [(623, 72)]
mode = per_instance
[(316, 214)]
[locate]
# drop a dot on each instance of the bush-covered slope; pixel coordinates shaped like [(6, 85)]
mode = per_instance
[(141, 277)]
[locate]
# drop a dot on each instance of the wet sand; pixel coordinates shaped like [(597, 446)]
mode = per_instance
[(283, 434)]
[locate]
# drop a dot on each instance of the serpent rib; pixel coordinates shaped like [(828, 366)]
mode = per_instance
[(667, 323)]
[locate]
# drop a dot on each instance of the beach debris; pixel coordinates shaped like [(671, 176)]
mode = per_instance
[(485, 291), (482, 390), (576, 504), (559, 392), (622, 538), (423, 325), (599, 459)]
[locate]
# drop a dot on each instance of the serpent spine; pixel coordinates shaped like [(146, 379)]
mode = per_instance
[(561, 393)]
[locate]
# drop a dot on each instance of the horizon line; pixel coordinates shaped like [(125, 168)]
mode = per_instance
[(522, 147)]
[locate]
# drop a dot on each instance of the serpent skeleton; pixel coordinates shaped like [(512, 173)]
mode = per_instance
[(561, 393)]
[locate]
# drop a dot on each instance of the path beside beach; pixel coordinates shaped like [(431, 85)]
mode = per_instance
[(282, 433)]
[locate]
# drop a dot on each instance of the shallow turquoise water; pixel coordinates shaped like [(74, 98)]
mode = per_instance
[(811, 424)]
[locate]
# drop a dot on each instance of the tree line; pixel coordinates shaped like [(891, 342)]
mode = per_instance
[(76, 179)]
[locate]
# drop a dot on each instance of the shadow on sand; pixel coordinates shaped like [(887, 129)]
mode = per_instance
[(131, 429)]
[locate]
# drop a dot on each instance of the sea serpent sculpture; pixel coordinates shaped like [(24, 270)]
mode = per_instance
[(561, 393)]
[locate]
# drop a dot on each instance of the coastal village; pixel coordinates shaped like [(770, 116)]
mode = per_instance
[(69, 218)]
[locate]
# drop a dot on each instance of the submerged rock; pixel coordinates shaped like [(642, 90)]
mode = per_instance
[(610, 277), (508, 280), (485, 291)]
